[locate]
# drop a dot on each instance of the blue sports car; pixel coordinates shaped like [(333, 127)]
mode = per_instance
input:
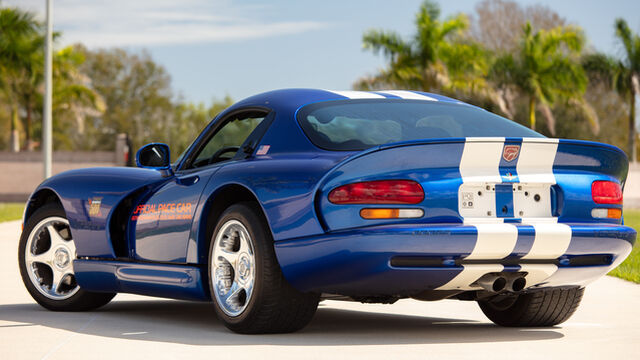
[(294, 196)]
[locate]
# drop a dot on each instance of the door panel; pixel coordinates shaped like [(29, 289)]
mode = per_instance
[(162, 222)]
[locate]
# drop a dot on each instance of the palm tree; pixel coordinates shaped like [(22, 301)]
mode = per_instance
[(73, 97), (623, 75), (417, 63), (545, 68), (439, 56), (22, 67), (628, 80), (27, 88), (16, 28)]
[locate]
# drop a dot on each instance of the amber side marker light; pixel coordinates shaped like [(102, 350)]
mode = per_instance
[(370, 214), (602, 213)]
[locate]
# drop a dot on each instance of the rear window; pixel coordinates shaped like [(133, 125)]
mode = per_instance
[(360, 124)]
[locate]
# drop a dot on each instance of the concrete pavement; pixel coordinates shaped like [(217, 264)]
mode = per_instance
[(607, 325)]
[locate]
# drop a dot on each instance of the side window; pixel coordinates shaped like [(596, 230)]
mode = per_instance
[(226, 142)]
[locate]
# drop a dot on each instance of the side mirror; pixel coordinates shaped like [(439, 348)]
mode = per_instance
[(154, 156)]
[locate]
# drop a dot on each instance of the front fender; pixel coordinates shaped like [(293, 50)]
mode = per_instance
[(89, 197)]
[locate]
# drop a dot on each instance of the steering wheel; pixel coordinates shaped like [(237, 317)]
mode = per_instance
[(216, 156)]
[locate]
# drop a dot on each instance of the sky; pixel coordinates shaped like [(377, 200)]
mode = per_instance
[(214, 48)]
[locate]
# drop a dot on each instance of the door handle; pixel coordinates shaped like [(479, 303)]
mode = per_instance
[(188, 180)]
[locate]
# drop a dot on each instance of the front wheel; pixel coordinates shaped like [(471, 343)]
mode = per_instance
[(539, 308), (250, 294), (45, 256)]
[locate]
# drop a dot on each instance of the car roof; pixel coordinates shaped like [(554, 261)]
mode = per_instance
[(292, 99), (285, 103)]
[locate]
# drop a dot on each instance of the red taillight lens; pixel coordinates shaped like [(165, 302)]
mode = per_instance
[(378, 192), (606, 192)]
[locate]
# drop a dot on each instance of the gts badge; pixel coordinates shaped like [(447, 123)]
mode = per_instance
[(94, 206)]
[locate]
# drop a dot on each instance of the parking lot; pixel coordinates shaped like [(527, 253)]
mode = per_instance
[(607, 325)]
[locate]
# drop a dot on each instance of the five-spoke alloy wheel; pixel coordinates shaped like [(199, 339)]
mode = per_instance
[(233, 267), (49, 254), (45, 256)]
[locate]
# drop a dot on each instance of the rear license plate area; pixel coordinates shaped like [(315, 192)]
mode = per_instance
[(489, 200)]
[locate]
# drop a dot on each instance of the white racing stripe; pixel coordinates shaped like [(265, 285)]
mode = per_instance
[(469, 275), (537, 273), (357, 94), (494, 241), (535, 163), (480, 160), (410, 95), (480, 163), (551, 240)]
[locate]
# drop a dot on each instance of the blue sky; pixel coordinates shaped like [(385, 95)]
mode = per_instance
[(213, 48)]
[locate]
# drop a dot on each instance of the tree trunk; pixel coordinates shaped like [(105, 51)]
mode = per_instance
[(28, 141), (632, 128), (532, 112), (14, 141)]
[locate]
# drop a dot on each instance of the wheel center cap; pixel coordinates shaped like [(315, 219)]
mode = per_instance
[(244, 267), (61, 258)]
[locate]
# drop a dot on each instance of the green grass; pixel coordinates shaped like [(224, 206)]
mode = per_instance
[(11, 211), (630, 268)]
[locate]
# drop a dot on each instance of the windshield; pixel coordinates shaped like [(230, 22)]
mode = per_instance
[(357, 125)]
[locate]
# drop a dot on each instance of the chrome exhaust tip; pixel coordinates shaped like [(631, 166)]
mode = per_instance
[(492, 283), (518, 284)]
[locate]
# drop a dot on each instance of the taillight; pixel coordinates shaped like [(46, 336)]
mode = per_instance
[(378, 192), (606, 192)]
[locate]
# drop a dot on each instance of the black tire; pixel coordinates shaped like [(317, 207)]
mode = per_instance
[(274, 306), (535, 309), (80, 301)]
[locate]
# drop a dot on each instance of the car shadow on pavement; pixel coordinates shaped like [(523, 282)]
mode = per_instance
[(196, 324)]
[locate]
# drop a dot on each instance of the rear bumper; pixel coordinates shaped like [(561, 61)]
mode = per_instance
[(408, 259)]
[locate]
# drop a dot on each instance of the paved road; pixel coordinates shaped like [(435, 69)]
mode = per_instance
[(607, 325)]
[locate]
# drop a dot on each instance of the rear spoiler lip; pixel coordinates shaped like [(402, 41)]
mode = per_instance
[(489, 139)]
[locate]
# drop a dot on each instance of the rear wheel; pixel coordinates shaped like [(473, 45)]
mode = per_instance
[(538, 308), (249, 292), (45, 256)]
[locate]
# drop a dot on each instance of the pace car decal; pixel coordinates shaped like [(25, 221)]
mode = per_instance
[(163, 211), (480, 169), (94, 206)]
